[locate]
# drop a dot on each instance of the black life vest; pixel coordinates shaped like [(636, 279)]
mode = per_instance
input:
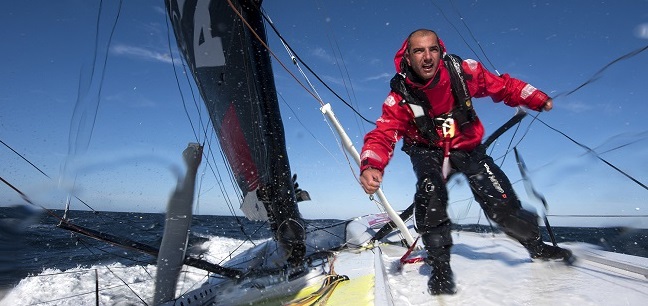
[(462, 112)]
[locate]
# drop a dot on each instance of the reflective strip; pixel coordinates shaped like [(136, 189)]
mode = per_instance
[(527, 91), (417, 110), (370, 154), (389, 101), (472, 64)]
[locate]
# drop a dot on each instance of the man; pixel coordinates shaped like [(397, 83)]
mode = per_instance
[(442, 136)]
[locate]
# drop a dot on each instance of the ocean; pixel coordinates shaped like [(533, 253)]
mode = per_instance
[(34, 252)]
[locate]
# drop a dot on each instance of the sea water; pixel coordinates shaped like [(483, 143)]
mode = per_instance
[(46, 265)]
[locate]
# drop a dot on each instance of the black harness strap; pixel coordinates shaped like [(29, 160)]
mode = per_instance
[(419, 105), (463, 111)]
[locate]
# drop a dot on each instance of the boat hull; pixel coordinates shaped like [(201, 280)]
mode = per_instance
[(489, 269)]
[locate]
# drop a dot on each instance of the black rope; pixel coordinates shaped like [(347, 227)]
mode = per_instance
[(473, 37), (599, 73), (309, 69), (589, 150), (457, 30), (534, 194)]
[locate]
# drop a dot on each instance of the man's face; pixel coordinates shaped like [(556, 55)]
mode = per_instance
[(424, 55)]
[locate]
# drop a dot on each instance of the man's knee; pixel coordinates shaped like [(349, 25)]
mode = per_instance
[(431, 200)]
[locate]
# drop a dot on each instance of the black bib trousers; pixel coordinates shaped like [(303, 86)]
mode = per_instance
[(489, 185)]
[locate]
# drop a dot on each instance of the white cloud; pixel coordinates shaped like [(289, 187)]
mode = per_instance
[(642, 31), (321, 53), (575, 106), (383, 76), (141, 53)]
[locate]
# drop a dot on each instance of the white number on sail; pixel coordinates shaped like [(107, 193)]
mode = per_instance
[(210, 52)]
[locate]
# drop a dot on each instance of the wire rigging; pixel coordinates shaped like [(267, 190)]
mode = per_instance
[(589, 150), (473, 37), (311, 70), (599, 73)]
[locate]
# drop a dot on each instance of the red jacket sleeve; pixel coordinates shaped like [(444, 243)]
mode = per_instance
[(512, 91), (379, 143)]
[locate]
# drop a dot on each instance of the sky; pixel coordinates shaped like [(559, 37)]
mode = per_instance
[(129, 124)]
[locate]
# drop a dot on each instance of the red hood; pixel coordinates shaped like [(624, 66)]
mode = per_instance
[(399, 57)]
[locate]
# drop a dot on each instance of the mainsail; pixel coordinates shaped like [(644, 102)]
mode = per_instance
[(220, 41)]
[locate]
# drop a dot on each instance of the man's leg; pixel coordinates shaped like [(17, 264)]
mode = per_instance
[(432, 221), (494, 192)]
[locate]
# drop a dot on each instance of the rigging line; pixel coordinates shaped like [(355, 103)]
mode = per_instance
[(352, 94), (599, 73), (105, 62), (293, 58), (175, 73), (213, 165), (104, 289), (89, 248), (341, 67), (232, 181), (265, 45), (204, 128), (311, 70), (473, 36), (221, 185), (596, 154), (127, 285), (455, 28), (248, 238), (71, 132), (508, 148), (477, 55), (193, 286), (80, 91), (24, 158), (26, 198), (620, 146), (304, 126), (640, 135), (273, 54), (206, 140)]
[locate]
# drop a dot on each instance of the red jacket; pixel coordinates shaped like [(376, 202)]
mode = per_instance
[(396, 121)]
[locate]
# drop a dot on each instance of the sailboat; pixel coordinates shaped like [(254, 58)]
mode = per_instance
[(361, 261), (372, 259)]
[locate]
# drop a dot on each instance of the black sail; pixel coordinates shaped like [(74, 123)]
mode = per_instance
[(233, 72)]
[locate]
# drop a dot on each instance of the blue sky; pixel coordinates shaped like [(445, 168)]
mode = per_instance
[(131, 159)]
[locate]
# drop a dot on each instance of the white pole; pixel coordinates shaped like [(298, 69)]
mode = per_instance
[(348, 145)]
